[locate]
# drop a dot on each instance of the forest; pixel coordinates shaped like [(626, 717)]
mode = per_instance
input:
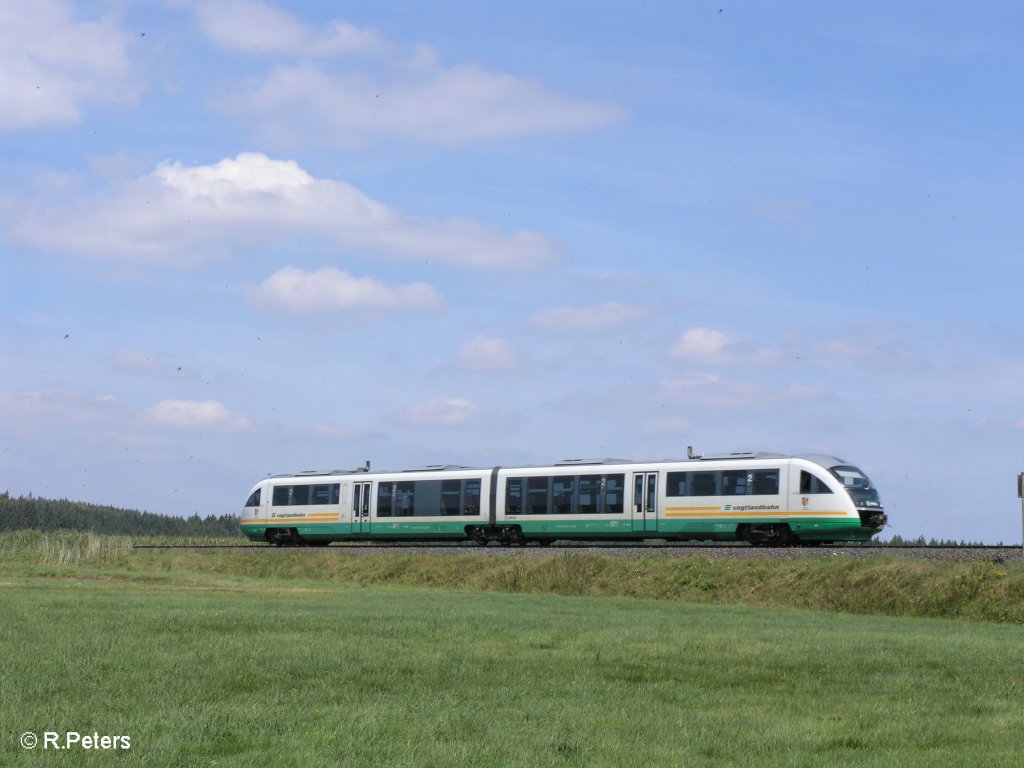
[(30, 512)]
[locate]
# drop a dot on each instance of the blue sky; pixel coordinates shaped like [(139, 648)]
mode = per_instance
[(241, 238)]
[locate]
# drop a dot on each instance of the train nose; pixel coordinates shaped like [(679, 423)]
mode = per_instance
[(873, 518)]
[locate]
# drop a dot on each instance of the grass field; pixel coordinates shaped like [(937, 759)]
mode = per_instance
[(236, 668)]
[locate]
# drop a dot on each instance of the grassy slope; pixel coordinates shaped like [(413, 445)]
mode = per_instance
[(314, 658), (278, 673), (880, 585)]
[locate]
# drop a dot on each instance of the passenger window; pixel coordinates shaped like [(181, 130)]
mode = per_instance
[(514, 496), (291, 496), (451, 494), (614, 494), (677, 483), (385, 497), (471, 506), (766, 482), (322, 494), (589, 494), (561, 495), (734, 482), (537, 495), (404, 498), (704, 484)]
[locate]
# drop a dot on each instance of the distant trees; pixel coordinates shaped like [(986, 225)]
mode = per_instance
[(920, 541), (29, 512)]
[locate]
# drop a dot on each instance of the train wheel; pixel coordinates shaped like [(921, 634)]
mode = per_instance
[(281, 537), (513, 534), (478, 534), (771, 535)]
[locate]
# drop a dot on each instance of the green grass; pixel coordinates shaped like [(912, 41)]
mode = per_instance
[(880, 585), (273, 672)]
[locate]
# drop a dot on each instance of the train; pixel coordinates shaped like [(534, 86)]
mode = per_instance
[(763, 499)]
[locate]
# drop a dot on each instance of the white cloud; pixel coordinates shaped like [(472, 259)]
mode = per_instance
[(192, 414), (257, 28), (56, 410), (182, 215), (692, 380), (250, 173), (667, 426), (442, 411), (52, 65), (701, 389), (487, 354), (404, 96), (703, 345), (135, 360), (327, 289), (302, 103), (598, 317)]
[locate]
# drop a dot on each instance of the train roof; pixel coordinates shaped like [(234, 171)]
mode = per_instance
[(823, 460)]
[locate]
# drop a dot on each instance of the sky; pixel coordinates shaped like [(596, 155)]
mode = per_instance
[(244, 238)]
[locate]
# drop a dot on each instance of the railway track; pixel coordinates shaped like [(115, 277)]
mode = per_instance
[(993, 553)]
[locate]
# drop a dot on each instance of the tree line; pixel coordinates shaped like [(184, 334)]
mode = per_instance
[(29, 512)]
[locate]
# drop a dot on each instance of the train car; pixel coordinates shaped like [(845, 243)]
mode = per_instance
[(759, 498)]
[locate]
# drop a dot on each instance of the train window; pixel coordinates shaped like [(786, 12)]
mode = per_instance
[(562, 491), (677, 483), (429, 497), (254, 500), (537, 496), (405, 493), (514, 496), (471, 503), (291, 495), (766, 482), (704, 484), (326, 494), (811, 484), (734, 482), (385, 499), (590, 494), (614, 494), (451, 497)]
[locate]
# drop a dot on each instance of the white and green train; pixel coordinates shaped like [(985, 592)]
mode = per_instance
[(760, 498)]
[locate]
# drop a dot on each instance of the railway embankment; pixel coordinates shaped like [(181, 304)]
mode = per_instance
[(987, 589)]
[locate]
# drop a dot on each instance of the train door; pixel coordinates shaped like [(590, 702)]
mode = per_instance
[(361, 507), (809, 492), (645, 501)]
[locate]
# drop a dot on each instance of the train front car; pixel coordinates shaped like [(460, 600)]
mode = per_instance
[(836, 500), (252, 520), (862, 492)]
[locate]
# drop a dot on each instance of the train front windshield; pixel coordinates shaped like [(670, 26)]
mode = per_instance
[(857, 485)]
